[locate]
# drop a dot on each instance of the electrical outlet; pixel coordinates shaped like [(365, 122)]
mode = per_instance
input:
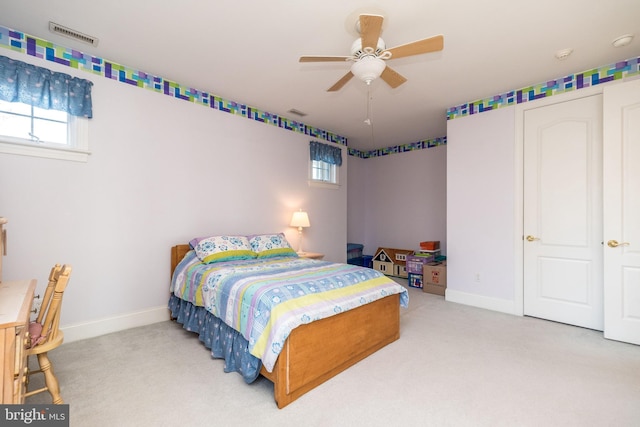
[(476, 277)]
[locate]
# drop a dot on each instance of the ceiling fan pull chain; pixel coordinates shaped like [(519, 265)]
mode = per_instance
[(369, 114), (368, 119)]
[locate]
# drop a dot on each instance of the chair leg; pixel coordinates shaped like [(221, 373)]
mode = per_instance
[(49, 378)]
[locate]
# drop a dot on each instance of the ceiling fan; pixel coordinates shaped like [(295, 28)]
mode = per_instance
[(369, 54)]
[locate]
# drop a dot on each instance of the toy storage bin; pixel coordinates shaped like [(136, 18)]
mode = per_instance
[(367, 261), (415, 280), (430, 245), (354, 254), (416, 263)]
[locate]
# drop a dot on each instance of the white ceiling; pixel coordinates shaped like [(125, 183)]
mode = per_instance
[(247, 51)]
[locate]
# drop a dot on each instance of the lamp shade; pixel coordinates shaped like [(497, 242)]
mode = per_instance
[(368, 68), (300, 219)]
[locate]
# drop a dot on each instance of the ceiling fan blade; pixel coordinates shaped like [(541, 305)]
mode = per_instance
[(392, 77), (343, 81), (323, 58), (432, 44), (370, 28)]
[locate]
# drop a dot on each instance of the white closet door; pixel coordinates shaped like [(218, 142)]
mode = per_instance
[(622, 212), (563, 212)]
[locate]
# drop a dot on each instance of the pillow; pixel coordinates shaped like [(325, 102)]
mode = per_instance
[(35, 332), (194, 242), (223, 248), (271, 245)]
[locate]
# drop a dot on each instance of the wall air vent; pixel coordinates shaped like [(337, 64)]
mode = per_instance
[(72, 34)]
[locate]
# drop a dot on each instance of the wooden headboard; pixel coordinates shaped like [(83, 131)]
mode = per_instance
[(177, 253)]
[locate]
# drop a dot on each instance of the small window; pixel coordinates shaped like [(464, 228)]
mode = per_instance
[(324, 172), (32, 131), (324, 162)]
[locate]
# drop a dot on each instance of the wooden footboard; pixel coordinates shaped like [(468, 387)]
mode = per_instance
[(318, 351)]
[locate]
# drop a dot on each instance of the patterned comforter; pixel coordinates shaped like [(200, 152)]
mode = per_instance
[(265, 299)]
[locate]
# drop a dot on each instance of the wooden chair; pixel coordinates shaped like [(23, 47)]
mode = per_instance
[(44, 332)]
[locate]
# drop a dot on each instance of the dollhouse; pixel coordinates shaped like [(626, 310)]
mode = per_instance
[(392, 262)]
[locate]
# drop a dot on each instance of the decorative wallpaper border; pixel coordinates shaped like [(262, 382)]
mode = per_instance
[(20, 42), (419, 145), (23, 43), (568, 83)]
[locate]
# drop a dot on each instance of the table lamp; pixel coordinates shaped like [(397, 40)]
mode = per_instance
[(300, 219)]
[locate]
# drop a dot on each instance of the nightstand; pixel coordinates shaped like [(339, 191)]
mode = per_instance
[(311, 255)]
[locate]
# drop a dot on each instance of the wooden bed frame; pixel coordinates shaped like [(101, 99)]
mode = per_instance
[(318, 351)]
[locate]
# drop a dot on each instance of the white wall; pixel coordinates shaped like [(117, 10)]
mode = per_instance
[(356, 200), (400, 200), (481, 209), (162, 171)]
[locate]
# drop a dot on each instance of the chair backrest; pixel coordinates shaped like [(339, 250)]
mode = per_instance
[(49, 315)]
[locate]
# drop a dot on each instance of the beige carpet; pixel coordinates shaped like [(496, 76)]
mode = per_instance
[(454, 365)]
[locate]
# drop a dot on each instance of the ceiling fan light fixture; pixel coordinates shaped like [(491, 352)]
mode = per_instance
[(368, 68)]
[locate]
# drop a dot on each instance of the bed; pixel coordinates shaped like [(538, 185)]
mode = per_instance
[(298, 322)]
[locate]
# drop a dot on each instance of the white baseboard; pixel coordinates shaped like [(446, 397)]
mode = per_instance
[(81, 331), (495, 304)]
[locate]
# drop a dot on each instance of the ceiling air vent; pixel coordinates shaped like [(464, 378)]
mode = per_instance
[(72, 34), (297, 112)]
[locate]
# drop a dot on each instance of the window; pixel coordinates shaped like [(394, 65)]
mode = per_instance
[(324, 164), (31, 123), (323, 171), (33, 131), (43, 113)]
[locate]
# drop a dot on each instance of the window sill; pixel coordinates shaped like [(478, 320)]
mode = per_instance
[(323, 184), (8, 146)]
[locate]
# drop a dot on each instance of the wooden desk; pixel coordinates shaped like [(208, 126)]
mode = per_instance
[(16, 298)]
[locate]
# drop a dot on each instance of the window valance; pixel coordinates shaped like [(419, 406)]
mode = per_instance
[(325, 153), (43, 88)]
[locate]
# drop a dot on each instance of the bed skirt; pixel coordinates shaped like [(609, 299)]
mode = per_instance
[(225, 342)]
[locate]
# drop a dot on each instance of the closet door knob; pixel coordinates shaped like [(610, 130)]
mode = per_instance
[(615, 244), (531, 238)]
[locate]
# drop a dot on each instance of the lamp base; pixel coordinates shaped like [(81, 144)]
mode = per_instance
[(300, 251)]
